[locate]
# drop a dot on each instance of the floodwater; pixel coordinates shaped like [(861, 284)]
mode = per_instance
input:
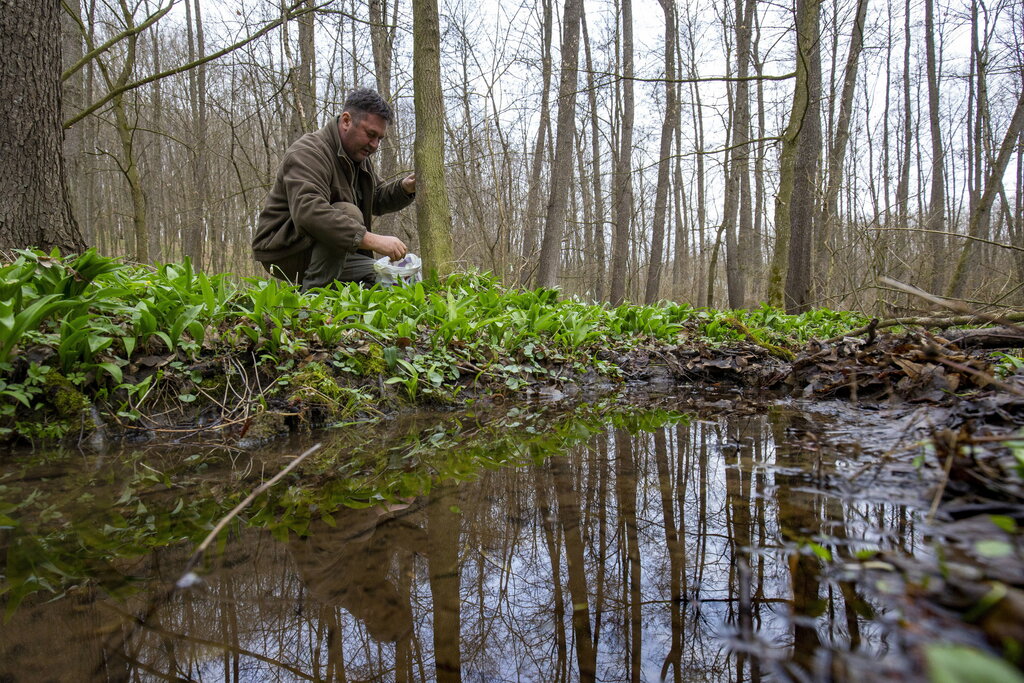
[(690, 539)]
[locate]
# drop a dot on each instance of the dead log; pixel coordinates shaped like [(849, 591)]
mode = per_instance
[(987, 338)]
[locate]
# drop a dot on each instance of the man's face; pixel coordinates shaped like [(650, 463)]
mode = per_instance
[(361, 134)]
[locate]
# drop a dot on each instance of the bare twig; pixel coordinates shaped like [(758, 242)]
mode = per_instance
[(953, 304), (968, 315), (188, 577), (198, 554)]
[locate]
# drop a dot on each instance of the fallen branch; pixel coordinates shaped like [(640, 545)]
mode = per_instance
[(934, 323), (966, 317)]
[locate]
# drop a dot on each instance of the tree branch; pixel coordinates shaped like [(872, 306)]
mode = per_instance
[(705, 79), (292, 13), (98, 50), (953, 234)]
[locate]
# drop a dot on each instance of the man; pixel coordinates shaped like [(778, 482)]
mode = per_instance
[(315, 225)]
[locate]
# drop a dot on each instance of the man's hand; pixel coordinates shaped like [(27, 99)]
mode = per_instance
[(389, 246), (409, 183)]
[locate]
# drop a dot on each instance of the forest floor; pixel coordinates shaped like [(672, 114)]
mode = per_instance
[(94, 353)]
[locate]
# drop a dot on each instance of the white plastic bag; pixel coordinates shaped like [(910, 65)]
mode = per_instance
[(402, 272)]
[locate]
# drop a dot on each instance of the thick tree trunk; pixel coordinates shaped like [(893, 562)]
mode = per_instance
[(794, 203), (802, 210), (433, 213), (561, 172), (34, 207)]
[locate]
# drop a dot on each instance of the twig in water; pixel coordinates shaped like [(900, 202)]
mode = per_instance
[(198, 554), (188, 578)]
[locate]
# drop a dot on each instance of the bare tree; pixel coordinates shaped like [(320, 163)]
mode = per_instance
[(798, 166), (561, 172), (622, 202), (668, 128), (935, 220)]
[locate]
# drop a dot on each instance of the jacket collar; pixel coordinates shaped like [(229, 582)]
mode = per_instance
[(335, 137)]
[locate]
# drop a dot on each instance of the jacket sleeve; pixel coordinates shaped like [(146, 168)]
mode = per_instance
[(338, 226), (390, 196)]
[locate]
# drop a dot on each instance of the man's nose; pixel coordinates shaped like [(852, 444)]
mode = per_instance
[(374, 143)]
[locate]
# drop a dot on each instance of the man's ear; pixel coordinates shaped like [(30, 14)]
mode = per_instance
[(346, 118)]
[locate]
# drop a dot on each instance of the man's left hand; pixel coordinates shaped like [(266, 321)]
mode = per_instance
[(409, 183)]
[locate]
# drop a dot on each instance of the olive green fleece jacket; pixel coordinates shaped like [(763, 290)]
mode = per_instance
[(314, 200)]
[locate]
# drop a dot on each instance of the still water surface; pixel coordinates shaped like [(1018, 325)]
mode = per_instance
[(716, 542)]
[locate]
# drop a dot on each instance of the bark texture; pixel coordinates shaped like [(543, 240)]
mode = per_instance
[(34, 209), (433, 215), (554, 224)]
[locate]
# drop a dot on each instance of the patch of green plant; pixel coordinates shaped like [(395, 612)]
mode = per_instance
[(1006, 364), (132, 334)]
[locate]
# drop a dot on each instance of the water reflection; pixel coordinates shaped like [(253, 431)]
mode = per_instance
[(710, 549)]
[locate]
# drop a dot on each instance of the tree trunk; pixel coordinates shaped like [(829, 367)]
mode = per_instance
[(382, 40), (993, 185), (595, 164), (935, 221), (35, 209), (433, 215), (623, 196), (561, 172), (807, 139), (837, 154), (739, 160), (668, 128), (532, 217), (303, 77), (803, 125), (195, 227)]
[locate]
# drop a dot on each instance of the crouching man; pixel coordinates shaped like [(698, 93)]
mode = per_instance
[(314, 228)]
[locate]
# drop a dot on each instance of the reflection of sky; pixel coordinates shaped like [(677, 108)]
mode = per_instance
[(508, 627)]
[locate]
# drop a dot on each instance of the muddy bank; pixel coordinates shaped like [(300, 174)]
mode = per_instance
[(245, 400)]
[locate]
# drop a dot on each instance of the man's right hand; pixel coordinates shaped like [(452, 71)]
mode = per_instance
[(389, 246)]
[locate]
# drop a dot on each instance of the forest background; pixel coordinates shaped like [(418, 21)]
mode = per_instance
[(721, 154)]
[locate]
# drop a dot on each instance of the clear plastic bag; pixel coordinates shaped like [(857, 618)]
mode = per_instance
[(403, 272)]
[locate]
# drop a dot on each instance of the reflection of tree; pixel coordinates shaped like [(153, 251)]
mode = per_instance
[(569, 519), (443, 526), (674, 540), (798, 519), (743, 433), (555, 560), (347, 566), (625, 496)]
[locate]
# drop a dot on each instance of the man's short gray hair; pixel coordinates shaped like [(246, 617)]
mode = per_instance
[(362, 101)]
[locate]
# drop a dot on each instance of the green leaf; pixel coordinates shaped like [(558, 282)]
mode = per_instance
[(113, 370), (1007, 524), (821, 551), (993, 549), (962, 664)]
